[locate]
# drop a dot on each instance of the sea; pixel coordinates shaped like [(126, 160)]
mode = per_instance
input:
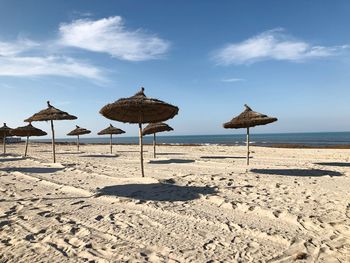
[(306, 139)]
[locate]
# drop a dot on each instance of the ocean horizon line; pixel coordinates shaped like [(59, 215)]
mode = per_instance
[(188, 135)]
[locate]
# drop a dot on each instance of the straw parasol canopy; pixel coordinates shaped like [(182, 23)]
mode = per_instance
[(248, 118), (50, 114), (5, 132), (154, 128), (27, 131), (139, 109), (77, 132), (110, 131)]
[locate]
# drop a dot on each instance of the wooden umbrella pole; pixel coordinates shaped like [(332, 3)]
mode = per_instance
[(248, 146), (53, 142), (78, 143), (4, 144), (110, 142), (141, 149), (26, 150), (154, 145)]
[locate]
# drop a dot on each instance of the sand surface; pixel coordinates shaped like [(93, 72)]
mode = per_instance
[(196, 204)]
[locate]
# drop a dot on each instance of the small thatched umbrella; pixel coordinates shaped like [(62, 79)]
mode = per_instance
[(5, 132), (27, 131), (139, 109), (111, 130), (51, 114), (77, 132), (154, 128), (247, 119)]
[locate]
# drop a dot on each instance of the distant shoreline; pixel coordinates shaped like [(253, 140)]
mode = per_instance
[(270, 145)]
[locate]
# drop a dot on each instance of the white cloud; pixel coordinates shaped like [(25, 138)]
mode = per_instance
[(272, 45), (24, 57), (16, 47), (108, 35), (47, 66), (232, 80)]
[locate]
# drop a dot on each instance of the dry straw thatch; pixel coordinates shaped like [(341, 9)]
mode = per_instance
[(5, 132), (110, 131), (27, 131), (248, 118), (154, 128), (50, 114), (77, 132), (139, 109)]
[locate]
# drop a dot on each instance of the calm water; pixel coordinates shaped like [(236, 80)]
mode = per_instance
[(315, 139)]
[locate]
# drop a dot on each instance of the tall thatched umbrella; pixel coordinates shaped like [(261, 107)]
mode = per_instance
[(5, 132), (154, 128), (139, 109), (27, 131), (111, 130), (50, 114), (247, 119), (77, 132)]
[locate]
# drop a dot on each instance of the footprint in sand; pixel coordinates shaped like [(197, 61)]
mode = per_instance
[(99, 218)]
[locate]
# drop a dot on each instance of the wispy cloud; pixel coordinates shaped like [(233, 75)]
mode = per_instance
[(21, 66), (273, 45), (16, 47), (24, 58), (109, 35), (232, 80)]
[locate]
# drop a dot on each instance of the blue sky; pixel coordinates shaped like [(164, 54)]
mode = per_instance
[(289, 59)]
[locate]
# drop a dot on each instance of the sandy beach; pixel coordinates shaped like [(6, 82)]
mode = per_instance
[(196, 204)]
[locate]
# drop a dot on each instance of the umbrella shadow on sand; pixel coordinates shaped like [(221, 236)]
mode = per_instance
[(297, 172), (171, 161), (225, 157), (157, 191), (170, 154), (39, 170), (12, 159), (100, 155), (339, 164)]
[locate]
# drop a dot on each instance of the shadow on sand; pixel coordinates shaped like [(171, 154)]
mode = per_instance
[(100, 155), (335, 164), (11, 159), (225, 157), (121, 151), (170, 161), (170, 154), (157, 192), (38, 170), (296, 172), (69, 152)]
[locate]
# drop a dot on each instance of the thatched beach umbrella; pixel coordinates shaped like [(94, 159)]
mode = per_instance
[(50, 114), (111, 130), (77, 132), (5, 132), (27, 131), (154, 128), (247, 119), (139, 109)]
